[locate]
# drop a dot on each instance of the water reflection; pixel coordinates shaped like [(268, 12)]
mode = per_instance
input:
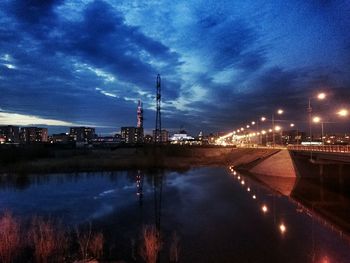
[(312, 199), (218, 216)]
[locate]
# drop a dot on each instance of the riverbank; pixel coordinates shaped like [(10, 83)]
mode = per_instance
[(176, 157)]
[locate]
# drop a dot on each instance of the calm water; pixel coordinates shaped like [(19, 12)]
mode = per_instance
[(213, 211)]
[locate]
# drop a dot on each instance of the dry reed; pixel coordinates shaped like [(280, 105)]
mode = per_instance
[(96, 245), (175, 248), (151, 244), (10, 238), (49, 240)]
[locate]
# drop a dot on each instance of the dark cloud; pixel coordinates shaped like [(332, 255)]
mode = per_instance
[(219, 62)]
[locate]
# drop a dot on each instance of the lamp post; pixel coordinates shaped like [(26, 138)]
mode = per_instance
[(320, 96), (317, 119), (279, 112)]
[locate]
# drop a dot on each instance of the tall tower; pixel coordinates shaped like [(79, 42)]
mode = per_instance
[(139, 115), (158, 130)]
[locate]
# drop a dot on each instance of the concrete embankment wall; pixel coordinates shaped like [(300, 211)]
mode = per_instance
[(279, 164)]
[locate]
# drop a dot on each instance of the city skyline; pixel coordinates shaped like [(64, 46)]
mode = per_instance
[(223, 64)]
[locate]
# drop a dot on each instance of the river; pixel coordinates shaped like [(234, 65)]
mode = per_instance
[(218, 214)]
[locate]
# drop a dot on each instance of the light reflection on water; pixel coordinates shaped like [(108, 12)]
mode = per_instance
[(220, 215)]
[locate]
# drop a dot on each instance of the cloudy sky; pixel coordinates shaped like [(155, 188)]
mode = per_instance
[(222, 63)]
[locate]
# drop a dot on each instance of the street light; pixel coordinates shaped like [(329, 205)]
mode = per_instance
[(279, 112), (320, 96), (343, 112), (317, 119)]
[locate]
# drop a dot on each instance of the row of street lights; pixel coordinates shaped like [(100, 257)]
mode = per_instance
[(275, 128)]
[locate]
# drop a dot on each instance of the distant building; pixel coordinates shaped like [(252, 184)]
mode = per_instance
[(82, 134), (182, 136), (148, 139), (33, 135), (132, 134), (293, 137), (164, 136), (107, 141), (61, 138), (9, 134)]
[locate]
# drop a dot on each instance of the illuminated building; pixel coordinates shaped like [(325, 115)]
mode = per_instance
[(181, 137), (148, 139), (164, 136), (33, 135), (82, 134), (9, 134), (132, 134), (60, 138)]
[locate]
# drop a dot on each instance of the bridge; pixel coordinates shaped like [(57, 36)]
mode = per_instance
[(323, 154)]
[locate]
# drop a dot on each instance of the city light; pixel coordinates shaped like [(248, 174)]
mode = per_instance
[(263, 132), (282, 228), (343, 112), (248, 126), (292, 125), (316, 119), (248, 189), (254, 196), (280, 111), (278, 128), (253, 122), (264, 208), (321, 96), (263, 119)]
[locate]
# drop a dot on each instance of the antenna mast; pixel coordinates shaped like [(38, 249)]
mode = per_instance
[(158, 130)]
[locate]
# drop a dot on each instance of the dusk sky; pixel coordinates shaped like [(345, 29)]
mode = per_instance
[(222, 63)]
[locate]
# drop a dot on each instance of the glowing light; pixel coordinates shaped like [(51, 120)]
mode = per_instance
[(278, 128), (263, 132), (254, 196), (238, 177), (263, 119), (264, 208), (253, 122), (321, 96), (279, 111), (247, 126), (242, 182), (234, 173), (282, 228), (316, 119), (343, 112), (242, 129), (270, 130), (292, 125), (248, 189)]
